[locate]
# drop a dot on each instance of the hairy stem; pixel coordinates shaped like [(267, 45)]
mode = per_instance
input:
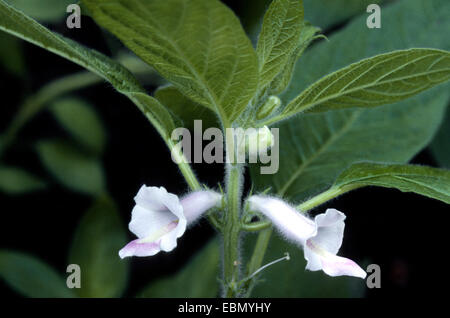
[(231, 231), (256, 226)]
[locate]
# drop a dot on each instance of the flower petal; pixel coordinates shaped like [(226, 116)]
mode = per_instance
[(334, 265), (157, 220), (137, 248), (169, 241), (145, 223), (329, 218), (321, 238), (313, 260), (330, 230), (158, 199), (196, 203), (155, 209), (163, 239)]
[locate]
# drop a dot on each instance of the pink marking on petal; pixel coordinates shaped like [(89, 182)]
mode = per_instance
[(334, 265), (171, 226), (341, 266), (137, 248)]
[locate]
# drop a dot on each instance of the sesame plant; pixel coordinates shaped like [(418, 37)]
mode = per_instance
[(346, 109)]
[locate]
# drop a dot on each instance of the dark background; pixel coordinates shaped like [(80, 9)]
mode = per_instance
[(404, 233)]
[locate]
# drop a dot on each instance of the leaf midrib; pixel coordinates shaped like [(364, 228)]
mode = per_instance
[(294, 110), (211, 96), (422, 185), (311, 105), (400, 176), (274, 43)]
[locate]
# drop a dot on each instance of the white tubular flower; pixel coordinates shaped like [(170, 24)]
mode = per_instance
[(160, 218), (321, 238)]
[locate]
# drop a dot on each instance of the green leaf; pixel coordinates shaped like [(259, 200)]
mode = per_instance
[(17, 181), (185, 109), (198, 279), (43, 10), (440, 147), (97, 241), (198, 45), (290, 279), (81, 121), (72, 168), (11, 55), (31, 277), (426, 181), (315, 148), (282, 80), (20, 25), (279, 36), (380, 80)]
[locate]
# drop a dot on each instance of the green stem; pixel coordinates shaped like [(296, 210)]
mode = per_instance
[(331, 193), (256, 226), (184, 166), (190, 177), (231, 231)]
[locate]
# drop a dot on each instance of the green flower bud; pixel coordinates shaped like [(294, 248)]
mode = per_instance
[(268, 108)]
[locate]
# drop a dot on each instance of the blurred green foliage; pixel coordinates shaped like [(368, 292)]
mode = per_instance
[(197, 279), (71, 167), (80, 120), (16, 181), (96, 243), (441, 142), (11, 55), (31, 277), (43, 10)]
